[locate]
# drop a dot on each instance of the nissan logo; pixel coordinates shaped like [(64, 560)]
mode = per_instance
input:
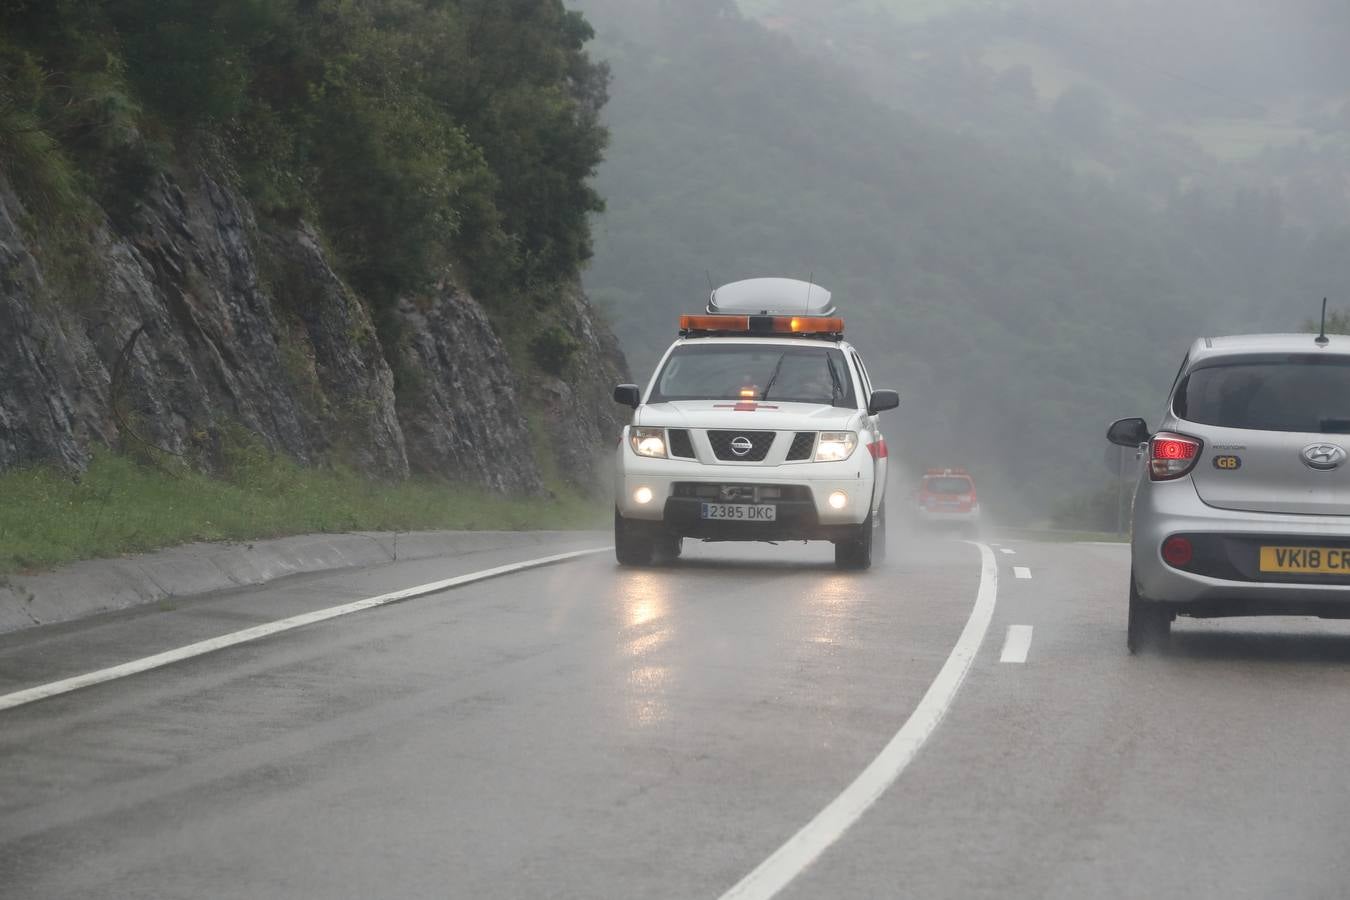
[(742, 445), (1323, 456)]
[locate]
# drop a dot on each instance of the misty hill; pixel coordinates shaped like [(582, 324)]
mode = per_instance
[(1155, 95), (1016, 302)]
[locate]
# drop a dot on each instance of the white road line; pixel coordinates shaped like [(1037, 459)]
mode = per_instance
[(1021, 571), (66, 685), (1017, 644), (791, 859), (1006, 550)]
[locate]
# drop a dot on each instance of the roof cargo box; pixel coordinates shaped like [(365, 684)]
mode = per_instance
[(771, 296)]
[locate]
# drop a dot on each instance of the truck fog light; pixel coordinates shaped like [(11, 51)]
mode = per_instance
[(838, 500), (643, 495)]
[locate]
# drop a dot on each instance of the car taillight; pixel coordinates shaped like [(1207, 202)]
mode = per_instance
[(1171, 455)]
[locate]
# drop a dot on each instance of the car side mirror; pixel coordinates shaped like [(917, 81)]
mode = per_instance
[(882, 401), (628, 395), (1128, 432)]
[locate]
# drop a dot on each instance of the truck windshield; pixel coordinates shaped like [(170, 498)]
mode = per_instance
[(764, 373)]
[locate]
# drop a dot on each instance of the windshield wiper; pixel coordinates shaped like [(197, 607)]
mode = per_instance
[(836, 389), (774, 377)]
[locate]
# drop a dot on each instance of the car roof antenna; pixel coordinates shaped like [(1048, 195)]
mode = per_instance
[(1322, 340)]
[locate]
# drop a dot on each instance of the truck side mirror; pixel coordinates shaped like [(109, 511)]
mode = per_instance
[(881, 401), (628, 395)]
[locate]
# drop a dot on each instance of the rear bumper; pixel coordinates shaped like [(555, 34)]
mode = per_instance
[(1224, 578)]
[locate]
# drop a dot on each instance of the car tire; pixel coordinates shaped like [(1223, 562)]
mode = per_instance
[(634, 542), (855, 552), (1150, 623)]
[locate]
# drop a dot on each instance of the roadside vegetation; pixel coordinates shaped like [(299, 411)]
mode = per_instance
[(416, 135), (424, 140), (122, 505)]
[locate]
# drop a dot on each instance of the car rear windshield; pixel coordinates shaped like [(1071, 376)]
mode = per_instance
[(807, 374), (1295, 393), (948, 486)]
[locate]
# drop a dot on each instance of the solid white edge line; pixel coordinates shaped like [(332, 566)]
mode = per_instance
[(1021, 571), (804, 847), (158, 660), (1017, 644)]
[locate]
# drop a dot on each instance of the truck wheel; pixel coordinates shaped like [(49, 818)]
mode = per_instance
[(1150, 624), (634, 542), (855, 552)]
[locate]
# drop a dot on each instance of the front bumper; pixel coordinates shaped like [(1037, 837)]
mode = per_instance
[(809, 517), (1229, 582)]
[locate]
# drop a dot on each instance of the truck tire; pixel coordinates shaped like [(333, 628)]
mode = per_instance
[(634, 542), (855, 552)]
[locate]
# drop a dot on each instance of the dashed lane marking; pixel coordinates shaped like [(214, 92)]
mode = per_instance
[(804, 847), (1006, 550), (1021, 572), (66, 685), (1016, 645)]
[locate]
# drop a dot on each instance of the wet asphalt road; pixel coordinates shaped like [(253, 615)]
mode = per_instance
[(587, 731)]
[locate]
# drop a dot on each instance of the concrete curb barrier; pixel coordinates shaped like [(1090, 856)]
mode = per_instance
[(105, 585)]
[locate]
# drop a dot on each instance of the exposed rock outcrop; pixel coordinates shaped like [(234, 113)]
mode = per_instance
[(458, 400), (582, 420), (345, 384), (52, 388), (201, 321)]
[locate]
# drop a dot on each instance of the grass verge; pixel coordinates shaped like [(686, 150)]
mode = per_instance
[(121, 506)]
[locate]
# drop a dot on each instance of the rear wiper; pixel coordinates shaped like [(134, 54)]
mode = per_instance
[(1335, 426)]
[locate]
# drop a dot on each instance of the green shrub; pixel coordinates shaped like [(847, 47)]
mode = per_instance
[(552, 350)]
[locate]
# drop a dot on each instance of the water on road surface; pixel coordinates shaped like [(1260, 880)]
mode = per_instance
[(583, 730)]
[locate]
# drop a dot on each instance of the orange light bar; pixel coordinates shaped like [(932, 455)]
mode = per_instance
[(763, 324), (714, 323), (808, 325)]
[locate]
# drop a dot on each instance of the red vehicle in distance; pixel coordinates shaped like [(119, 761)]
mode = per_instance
[(947, 496)]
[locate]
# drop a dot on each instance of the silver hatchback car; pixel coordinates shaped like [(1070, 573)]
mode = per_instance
[(1243, 501)]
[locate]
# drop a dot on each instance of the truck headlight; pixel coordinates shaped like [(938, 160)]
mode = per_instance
[(648, 442), (836, 445)]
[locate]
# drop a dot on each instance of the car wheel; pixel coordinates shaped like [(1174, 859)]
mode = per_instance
[(855, 552), (634, 542), (1150, 624)]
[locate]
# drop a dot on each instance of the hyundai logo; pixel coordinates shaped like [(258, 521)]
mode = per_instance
[(1323, 456), (742, 445)]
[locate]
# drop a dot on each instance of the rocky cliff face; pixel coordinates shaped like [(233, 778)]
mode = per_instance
[(202, 321)]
